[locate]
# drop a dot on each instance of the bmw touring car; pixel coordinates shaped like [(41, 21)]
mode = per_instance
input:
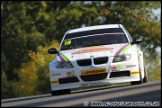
[(96, 55)]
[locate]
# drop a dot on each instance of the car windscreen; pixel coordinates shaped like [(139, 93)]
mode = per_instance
[(93, 40)]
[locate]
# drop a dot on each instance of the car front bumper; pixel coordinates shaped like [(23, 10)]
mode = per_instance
[(109, 73)]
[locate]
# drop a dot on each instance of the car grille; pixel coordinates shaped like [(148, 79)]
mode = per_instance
[(94, 77), (119, 74), (68, 80), (85, 62), (100, 60), (88, 62)]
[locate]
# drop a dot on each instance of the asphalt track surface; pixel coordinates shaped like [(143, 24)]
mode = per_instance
[(146, 94)]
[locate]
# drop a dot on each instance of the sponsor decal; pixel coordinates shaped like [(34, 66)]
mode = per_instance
[(115, 68), (93, 84), (93, 71), (97, 49), (123, 49), (135, 72), (97, 83), (56, 74), (70, 73), (54, 82), (130, 66), (63, 58)]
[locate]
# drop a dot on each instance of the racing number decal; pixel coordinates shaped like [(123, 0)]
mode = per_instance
[(68, 42)]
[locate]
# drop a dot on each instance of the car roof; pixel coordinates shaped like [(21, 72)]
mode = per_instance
[(94, 28)]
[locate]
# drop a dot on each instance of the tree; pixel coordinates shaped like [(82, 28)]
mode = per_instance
[(33, 75), (19, 36), (25, 25)]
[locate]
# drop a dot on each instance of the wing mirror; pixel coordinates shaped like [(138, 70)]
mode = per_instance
[(137, 40), (52, 51)]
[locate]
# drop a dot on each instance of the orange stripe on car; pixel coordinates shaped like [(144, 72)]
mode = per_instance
[(92, 50)]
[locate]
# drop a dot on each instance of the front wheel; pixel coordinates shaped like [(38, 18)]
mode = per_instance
[(145, 79), (136, 82)]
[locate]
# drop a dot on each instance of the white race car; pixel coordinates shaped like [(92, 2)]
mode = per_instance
[(96, 55)]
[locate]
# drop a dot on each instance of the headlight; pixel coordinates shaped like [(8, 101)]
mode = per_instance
[(120, 58), (63, 65)]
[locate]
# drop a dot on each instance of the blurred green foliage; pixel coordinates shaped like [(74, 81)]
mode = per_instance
[(30, 28)]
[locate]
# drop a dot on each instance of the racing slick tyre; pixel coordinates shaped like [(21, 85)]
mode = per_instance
[(60, 92), (145, 79), (136, 82)]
